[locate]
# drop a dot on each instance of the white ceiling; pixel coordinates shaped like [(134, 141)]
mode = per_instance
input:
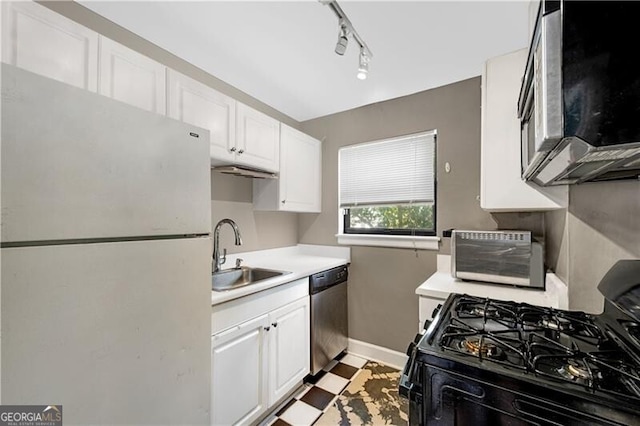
[(282, 52)]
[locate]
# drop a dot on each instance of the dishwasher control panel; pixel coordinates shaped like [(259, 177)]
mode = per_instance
[(328, 278)]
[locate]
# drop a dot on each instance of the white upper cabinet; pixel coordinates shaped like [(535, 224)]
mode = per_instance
[(42, 41), (195, 103), (39, 40), (131, 77), (257, 139), (239, 134), (298, 188), (300, 171), (501, 186)]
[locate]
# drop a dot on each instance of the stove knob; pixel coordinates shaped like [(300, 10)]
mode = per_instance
[(413, 344), (427, 323), (436, 310), (411, 348)]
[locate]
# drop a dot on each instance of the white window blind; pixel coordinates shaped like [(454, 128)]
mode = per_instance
[(392, 171)]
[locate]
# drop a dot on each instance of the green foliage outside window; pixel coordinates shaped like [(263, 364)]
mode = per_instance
[(409, 216)]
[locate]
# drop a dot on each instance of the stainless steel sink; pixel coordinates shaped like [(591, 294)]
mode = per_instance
[(229, 279)]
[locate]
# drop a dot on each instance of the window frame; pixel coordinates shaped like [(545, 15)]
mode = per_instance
[(346, 218), (347, 230)]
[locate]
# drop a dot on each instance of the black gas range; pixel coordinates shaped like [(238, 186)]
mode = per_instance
[(490, 362)]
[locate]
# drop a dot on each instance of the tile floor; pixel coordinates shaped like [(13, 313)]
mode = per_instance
[(319, 393)]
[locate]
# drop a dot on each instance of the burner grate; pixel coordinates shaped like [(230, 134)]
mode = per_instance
[(556, 360), (502, 346), (577, 325), (562, 346), (601, 370), (487, 311), (619, 375)]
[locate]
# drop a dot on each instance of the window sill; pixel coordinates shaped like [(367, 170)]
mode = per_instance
[(398, 241)]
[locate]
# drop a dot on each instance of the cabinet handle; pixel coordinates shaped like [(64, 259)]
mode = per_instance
[(233, 149), (284, 201), (266, 328), (241, 151), (275, 324)]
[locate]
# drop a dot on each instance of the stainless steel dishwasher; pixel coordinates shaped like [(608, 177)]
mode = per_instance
[(329, 323)]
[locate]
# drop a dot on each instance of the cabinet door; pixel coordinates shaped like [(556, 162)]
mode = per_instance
[(238, 370), (131, 77), (298, 188), (258, 139), (300, 171), (426, 308), (195, 103), (289, 348), (39, 40), (501, 187)]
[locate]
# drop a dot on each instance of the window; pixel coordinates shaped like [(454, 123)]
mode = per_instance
[(388, 187)]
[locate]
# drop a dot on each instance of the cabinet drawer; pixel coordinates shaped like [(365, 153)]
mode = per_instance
[(236, 311)]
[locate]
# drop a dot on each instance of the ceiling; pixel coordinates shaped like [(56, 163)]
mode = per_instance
[(282, 53)]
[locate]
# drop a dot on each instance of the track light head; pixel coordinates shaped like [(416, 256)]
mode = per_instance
[(363, 66), (346, 31), (343, 40)]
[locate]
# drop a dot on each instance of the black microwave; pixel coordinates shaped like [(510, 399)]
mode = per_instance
[(579, 104)]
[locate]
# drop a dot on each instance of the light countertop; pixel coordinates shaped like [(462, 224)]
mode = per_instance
[(441, 284), (301, 261)]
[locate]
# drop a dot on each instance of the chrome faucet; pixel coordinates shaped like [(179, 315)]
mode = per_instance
[(218, 259)]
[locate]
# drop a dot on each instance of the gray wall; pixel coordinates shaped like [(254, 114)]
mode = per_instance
[(600, 227), (383, 306), (231, 196)]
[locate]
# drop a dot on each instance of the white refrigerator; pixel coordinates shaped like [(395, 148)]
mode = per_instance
[(105, 259)]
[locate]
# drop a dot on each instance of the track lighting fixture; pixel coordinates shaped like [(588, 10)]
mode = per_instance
[(363, 67), (343, 40), (346, 30)]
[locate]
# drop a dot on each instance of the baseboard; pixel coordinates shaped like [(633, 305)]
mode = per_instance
[(377, 353)]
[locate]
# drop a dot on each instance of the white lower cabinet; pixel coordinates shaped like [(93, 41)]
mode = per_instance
[(289, 348), (258, 360), (238, 367), (426, 308)]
